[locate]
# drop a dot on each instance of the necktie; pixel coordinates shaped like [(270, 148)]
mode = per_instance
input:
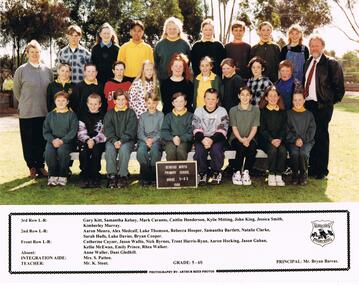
[(309, 79)]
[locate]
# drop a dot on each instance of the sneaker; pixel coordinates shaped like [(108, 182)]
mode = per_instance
[(272, 181), (279, 180), (52, 181), (216, 178), (41, 172), (32, 174), (122, 182), (237, 178), (246, 179), (62, 181), (202, 180), (111, 182)]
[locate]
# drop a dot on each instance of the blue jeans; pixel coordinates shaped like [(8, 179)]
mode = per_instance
[(58, 159), (147, 159), (217, 157), (117, 160)]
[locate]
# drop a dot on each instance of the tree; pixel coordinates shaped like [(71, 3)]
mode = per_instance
[(350, 63), (282, 14), (192, 13), (347, 7), (91, 14), (23, 21)]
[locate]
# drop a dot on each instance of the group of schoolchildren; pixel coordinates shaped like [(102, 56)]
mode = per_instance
[(238, 111)]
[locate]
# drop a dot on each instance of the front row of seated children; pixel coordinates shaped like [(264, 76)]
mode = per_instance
[(117, 131)]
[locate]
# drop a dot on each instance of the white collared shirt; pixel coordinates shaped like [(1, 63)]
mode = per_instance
[(312, 94), (36, 65)]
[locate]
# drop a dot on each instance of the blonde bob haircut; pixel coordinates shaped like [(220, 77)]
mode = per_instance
[(178, 23), (297, 28)]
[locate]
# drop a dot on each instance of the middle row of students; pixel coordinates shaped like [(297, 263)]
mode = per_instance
[(179, 81), (117, 131)]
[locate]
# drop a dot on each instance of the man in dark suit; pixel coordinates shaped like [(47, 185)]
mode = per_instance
[(323, 87)]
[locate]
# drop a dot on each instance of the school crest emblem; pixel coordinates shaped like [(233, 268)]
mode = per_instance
[(322, 232)]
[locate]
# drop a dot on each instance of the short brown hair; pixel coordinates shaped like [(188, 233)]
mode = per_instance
[(62, 94), (94, 96), (211, 91), (119, 62), (89, 64), (178, 94), (74, 29), (238, 24), (228, 61), (61, 64), (153, 96), (286, 63), (120, 92)]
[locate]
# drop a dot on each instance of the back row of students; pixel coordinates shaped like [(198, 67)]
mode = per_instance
[(118, 130), (134, 52)]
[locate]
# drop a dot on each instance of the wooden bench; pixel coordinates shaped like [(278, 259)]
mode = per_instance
[(228, 154)]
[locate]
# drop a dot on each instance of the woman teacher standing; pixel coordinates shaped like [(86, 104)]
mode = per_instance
[(30, 89)]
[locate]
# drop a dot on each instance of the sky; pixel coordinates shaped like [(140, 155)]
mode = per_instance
[(335, 40)]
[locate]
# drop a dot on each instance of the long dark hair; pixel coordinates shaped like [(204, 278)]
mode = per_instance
[(263, 102)]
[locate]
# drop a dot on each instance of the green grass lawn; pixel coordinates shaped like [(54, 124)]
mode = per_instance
[(342, 184)]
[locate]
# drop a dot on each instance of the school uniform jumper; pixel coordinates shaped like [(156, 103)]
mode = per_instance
[(175, 124), (63, 126)]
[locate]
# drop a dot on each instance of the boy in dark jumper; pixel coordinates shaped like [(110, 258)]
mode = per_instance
[(91, 142), (59, 130), (86, 87), (120, 128), (239, 50), (267, 50)]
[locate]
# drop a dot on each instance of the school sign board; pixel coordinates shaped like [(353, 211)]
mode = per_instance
[(176, 174)]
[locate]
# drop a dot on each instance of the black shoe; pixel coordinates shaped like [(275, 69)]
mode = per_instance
[(145, 183), (95, 183), (295, 180), (202, 180), (41, 172), (257, 173), (85, 183), (122, 182), (216, 178), (111, 182), (320, 176), (228, 171), (304, 180)]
